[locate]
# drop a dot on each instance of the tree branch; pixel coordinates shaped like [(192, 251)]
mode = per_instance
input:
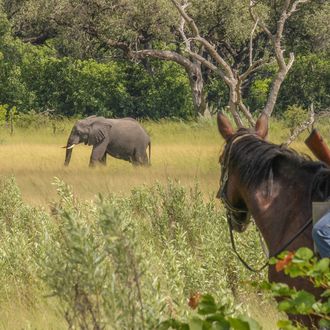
[(251, 42), (283, 67), (257, 20), (163, 55), (299, 129)]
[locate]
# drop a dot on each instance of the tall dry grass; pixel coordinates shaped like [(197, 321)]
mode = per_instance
[(188, 152), (183, 151)]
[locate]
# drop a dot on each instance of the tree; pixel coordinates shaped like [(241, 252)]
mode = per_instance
[(205, 39)]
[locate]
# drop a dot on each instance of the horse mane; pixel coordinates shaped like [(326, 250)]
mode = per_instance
[(254, 158)]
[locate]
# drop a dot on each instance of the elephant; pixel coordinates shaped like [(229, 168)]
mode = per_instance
[(121, 138)]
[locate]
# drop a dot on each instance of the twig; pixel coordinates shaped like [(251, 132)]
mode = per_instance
[(251, 42), (299, 129)]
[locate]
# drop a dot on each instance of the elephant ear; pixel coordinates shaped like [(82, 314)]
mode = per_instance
[(98, 132)]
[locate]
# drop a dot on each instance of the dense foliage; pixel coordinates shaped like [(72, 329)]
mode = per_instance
[(36, 79), (302, 263), (79, 77), (126, 262)]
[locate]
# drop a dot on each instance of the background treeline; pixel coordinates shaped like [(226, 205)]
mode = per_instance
[(49, 77), (35, 78)]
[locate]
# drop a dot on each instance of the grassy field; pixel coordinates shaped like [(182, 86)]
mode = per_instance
[(184, 152), (187, 152)]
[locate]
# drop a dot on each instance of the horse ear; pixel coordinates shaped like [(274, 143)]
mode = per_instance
[(261, 127), (224, 126)]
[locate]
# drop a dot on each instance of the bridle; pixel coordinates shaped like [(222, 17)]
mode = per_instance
[(231, 210)]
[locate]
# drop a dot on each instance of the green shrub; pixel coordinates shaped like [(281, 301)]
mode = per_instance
[(21, 230), (127, 262), (302, 263), (294, 116), (211, 315)]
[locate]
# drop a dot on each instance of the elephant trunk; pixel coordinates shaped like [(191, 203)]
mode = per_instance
[(69, 146), (68, 154)]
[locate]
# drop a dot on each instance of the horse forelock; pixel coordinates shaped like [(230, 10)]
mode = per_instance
[(254, 159)]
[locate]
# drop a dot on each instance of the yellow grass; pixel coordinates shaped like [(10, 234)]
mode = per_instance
[(187, 152), (179, 151)]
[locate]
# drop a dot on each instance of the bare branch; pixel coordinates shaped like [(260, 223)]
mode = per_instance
[(254, 67), (196, 36), (246, 112), (257, 20), (283, 66), (299, 129), (193, 27), (295, 6), (181, 30), (163, 55), (209, 65), (251, 42)]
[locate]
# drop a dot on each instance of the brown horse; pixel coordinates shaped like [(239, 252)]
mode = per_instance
[(276, 186)]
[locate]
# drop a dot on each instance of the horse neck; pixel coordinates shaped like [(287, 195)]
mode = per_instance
[(281, 210)]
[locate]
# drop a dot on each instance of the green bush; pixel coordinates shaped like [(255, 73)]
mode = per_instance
[(294, 116), (307, 82), (128, 262), (302, 263), (259, 93), (21, 230), (211, 315)]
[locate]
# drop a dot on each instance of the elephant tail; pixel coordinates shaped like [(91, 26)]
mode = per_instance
[(149, 144)]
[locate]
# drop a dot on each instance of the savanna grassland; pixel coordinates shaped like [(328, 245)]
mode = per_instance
[(120, 247), (186, 151)]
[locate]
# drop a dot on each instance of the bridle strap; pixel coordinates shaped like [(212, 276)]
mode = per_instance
[(300, 231)]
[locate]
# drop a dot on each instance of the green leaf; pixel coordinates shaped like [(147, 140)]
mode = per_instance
[(326, 293), (281, 255), (303, 302), (324, 324), (220, 325), (285, 325), (238, 324), (285, 306), (323, 265), (196, 324), (281, 289), (218, 321), (304, 253), (252, 323), (272, 261), (207, 305), (172, 324)]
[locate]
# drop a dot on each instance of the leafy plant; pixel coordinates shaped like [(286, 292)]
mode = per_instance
[(210, 315), (302, 263), (294, 116)]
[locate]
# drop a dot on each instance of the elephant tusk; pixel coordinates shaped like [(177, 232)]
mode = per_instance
[(68, 148)]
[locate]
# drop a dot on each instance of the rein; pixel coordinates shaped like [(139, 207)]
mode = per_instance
[(231, 209), (300, 231)]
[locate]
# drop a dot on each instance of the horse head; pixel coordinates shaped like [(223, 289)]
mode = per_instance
[(230, 191)]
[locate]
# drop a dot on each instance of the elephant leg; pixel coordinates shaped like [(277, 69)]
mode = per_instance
[(98, 153), (103, 161), (140, 159), (144, 158), (134, 159)]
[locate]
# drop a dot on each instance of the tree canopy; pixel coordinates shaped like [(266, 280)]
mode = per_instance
[(112, 39)]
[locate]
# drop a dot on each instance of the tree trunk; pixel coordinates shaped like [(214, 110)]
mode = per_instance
[(197, 89)]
